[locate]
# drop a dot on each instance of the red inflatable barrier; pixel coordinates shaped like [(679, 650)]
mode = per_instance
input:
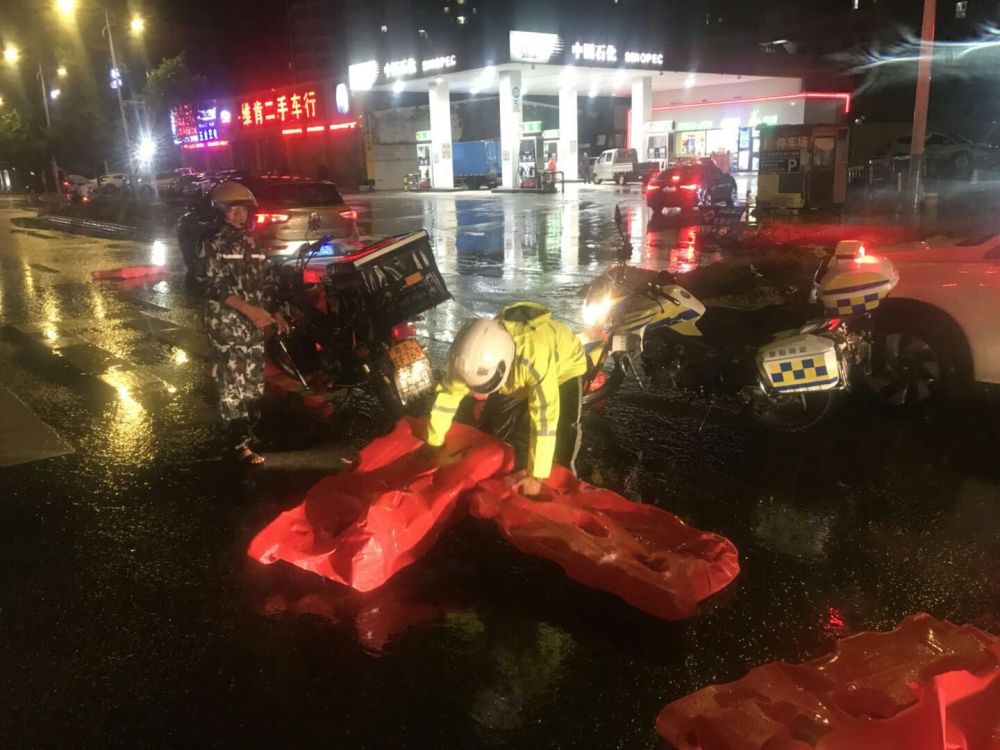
[(128, 272), (927, 685), (644, 555), (363, 525)]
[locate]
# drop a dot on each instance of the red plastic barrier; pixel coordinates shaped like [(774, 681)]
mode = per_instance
[(128, 272), (644, 555), (363, 525), (927, 685)]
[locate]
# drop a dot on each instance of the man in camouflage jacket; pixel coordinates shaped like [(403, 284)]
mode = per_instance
[(240, 288)]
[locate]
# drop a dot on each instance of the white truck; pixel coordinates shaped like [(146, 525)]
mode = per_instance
[(621, 165)]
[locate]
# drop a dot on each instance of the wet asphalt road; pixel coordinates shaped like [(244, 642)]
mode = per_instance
[(130, 615)]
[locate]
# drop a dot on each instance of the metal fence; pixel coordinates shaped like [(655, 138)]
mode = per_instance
[(883, 171)]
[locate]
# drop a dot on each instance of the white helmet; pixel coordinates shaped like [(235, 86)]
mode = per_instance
[(481, 355)]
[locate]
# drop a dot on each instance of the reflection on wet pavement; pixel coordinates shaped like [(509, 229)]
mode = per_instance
[(131, 607)]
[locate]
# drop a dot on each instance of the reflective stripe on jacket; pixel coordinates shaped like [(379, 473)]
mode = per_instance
[(547, 354)]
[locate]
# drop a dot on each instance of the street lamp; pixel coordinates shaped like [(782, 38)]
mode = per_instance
[(61, 71), (11, 54), (66, 7), (137, 25), (55, 93)]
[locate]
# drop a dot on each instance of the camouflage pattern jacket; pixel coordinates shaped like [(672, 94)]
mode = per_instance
[(231, 264)]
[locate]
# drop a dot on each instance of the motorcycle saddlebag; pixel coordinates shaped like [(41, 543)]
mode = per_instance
[(402, 277), (927, 685), (800, 363), (363, 525), (644, 555)]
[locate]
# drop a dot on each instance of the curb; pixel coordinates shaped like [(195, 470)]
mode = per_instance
[(89, 226)]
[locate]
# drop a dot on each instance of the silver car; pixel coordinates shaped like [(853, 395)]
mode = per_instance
[(292, 211)]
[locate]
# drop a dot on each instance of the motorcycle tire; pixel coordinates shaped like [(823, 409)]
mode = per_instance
[(594, 392), (793, 412)]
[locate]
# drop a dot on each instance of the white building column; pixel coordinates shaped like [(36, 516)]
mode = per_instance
[(642, 113), (510, 125), (568, 147), (442, 174)]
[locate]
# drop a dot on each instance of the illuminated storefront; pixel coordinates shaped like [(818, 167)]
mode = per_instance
[(307, 129)]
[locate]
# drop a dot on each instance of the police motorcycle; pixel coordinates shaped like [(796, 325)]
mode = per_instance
[(350, 318), (784, 364)]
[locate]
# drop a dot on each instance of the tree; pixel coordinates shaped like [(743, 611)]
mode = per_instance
[(171, 83), (20, 145)]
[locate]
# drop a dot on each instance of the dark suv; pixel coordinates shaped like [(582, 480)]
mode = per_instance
[(685, 186)]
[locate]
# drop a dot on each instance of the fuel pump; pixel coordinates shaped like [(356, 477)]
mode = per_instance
[(424, 158), (530, 153)]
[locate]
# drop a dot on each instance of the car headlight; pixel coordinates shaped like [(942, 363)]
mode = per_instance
[(596, 312)]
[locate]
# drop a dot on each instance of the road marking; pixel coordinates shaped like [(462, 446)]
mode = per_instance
[(23, 436)]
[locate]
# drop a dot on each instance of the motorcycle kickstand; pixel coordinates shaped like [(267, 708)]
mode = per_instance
[(630, 370), (284, 348)]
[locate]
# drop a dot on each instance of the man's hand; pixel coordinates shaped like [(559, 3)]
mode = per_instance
[(281, 324), (528, 486), (260, 317)]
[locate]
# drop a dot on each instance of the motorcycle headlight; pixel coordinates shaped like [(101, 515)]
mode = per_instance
[(597, 311)]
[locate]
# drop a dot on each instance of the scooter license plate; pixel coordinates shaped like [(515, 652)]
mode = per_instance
[(405, 353)]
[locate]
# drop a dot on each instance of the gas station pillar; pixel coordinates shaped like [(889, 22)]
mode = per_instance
[(510, 126), (568, 153), (442, 173), (642, 113)]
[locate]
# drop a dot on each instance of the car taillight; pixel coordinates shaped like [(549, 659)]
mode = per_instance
[(404, 331), (350, 214), (676, 178), (651, 187), (263, 219), (692, 186)]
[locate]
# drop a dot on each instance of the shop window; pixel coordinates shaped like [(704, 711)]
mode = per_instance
[(962, 9)]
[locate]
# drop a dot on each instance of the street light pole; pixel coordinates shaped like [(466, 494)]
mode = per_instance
[(921, 100), (48, 125), (121, 103)]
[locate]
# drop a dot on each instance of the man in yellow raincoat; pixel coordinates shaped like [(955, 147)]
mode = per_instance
[(532, 368)]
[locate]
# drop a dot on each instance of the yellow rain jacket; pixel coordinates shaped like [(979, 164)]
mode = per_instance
[(546, 354)]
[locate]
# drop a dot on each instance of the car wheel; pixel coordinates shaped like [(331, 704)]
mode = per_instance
[(731, 200), (620, 180), (597, 180), (917, 358)]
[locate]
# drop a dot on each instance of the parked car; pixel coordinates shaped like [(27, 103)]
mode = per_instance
[(290, 212), (937, 333), (687, 185), (957, 151), (621, 165), (108, 182), (76, 185)]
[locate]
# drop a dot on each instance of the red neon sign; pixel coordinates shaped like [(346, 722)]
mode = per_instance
[(845, 98), (204, 144), (320, 128), (292, 107)]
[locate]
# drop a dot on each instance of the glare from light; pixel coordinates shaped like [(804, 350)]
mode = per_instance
[(51, 334), (474, 90), (61, 71), (619, 77), (438, 79), (398, 86), (11, 54), (181, 357), (158, 254), (66, 7), (489, 73), (138, 25), (146, 150), (568, 75), (55, 94), (689, 81), (593, 91)]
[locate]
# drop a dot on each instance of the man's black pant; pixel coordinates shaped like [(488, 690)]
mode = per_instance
[(507, 418)]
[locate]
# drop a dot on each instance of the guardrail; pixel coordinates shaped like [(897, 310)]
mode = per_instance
[(882, 171)]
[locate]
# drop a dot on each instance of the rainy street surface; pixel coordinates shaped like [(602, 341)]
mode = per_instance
[(131, 616)]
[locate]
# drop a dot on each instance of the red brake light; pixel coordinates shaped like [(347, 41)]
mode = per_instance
[(404, 331), (263, 219), (676, 178), (693, 186), (651, 187), (349, 214)]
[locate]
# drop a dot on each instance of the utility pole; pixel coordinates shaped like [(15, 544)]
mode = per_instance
[(921, 100), (121, 103), (48, 125)]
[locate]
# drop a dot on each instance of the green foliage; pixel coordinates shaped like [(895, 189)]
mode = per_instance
[(20, 145), (171, 83)]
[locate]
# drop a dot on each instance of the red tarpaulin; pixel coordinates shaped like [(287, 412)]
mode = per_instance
[(927, 685), (644, 555), (129, 272), (363, 525)]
